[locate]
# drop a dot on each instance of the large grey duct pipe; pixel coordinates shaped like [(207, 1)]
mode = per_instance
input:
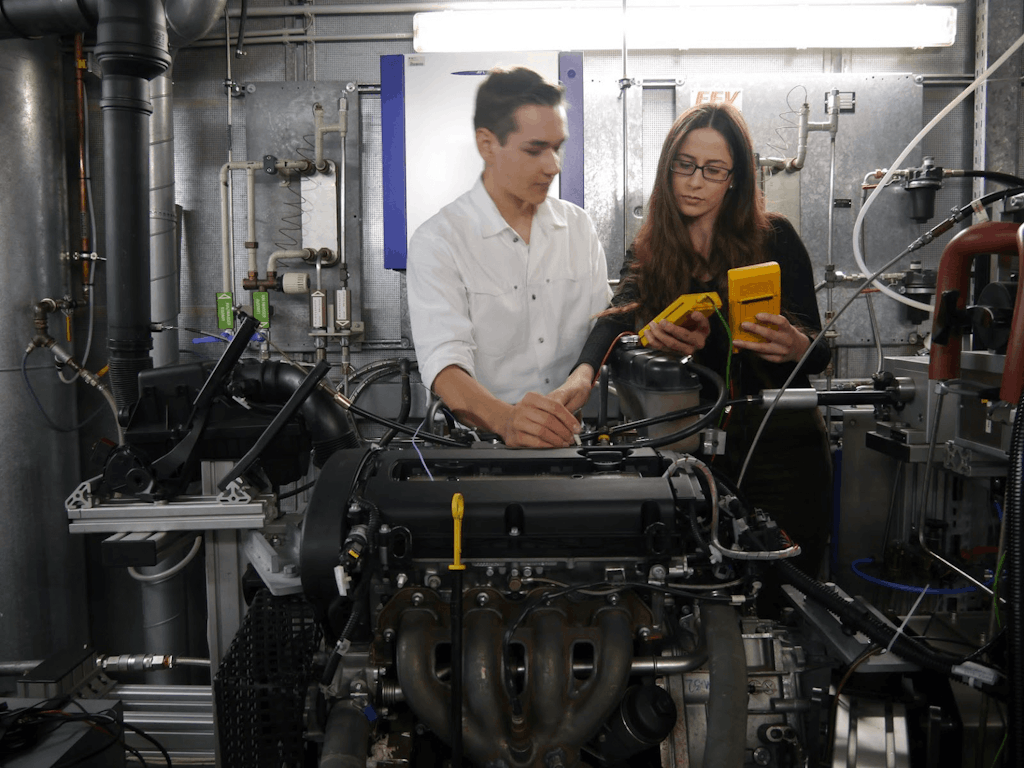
[(131, 46), (187, 21), (42, 602)]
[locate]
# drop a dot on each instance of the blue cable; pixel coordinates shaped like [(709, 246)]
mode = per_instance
[(904, 587)]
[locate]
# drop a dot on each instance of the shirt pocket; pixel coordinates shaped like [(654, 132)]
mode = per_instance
[(500, 326)]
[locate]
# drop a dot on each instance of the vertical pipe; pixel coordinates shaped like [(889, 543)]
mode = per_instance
[(42, 602), (163, 241), (131, 45)]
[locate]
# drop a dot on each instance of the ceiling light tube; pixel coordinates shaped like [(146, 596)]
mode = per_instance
[(687, 27)]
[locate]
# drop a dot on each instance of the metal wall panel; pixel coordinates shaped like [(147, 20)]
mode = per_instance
[(863, 144)]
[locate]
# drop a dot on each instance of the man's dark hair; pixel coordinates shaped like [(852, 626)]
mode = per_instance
[(506, 90)]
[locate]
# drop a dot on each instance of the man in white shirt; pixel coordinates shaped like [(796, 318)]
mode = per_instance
[(504, 282)]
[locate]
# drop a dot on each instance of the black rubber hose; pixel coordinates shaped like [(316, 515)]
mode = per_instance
[(330, 426), (1002, 178), (403, 413), (727, 699), (240, 40), (707, 419), (374, 376), (858, 617), (376, 365), (346, 737), (1015, 550)]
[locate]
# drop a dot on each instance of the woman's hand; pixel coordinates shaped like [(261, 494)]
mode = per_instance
[(782, 344), (681, 339)]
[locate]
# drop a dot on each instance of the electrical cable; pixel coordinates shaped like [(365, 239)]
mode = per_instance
[(160, 747), (708, 418), (807, 353), (174, 570), (859, 223), (49, 422), (923, 240), (296, 491), (855, 567), (92, 270), (834, 706)]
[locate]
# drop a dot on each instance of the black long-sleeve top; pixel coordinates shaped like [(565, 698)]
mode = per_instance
[(750, 374)]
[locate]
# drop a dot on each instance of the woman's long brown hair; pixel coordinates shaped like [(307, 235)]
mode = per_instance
[(666, 260)]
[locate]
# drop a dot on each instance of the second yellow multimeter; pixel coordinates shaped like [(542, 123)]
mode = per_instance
[(753, 289), (677, 312)]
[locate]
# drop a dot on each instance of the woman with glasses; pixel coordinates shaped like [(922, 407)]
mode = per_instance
[(705, 216)]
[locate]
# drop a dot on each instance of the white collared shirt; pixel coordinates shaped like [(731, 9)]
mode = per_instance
[(513, 315)]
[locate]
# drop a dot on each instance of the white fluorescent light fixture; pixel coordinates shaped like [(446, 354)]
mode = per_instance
[(686, 27)]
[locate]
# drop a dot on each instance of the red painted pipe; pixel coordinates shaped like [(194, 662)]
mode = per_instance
[(1013, 368), (955, 274)]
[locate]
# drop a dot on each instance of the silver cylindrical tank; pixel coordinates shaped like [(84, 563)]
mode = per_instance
[(42, 602), (163, 241)]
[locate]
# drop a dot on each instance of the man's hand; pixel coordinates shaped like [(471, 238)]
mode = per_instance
[(575, 392), (538, 421), (682, 339), (784, 343)]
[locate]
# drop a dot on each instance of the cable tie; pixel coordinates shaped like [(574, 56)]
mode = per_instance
[(979, 211), (913, 608)]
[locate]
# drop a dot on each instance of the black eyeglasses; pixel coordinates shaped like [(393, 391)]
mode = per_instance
[(715, 173)]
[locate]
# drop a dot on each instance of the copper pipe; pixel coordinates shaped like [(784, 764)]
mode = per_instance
[(83, 192), (954, 274), (1013, 368)]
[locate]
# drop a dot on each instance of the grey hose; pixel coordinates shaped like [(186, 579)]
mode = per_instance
[(727, 701), (346, 737)]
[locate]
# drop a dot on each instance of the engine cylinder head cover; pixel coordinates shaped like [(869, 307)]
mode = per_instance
[(650, 384)]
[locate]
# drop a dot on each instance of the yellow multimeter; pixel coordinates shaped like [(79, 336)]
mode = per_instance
[(753, 289), (680, 309)]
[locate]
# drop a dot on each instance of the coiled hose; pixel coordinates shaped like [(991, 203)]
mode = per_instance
[(1015, 551)]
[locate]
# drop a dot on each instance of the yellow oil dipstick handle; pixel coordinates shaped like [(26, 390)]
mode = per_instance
[(457, 514)]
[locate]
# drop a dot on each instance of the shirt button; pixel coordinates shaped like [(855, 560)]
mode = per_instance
[(547, 381), (534, 297), (541, 339), (515, 239)]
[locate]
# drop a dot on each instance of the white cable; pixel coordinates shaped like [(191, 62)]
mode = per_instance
[(859, 224), (174, 570)]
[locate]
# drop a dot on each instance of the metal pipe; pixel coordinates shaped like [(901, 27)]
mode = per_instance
[(163, 221), (18, 667), (299, 37), (189, 20), (250, 212), (40, 18), (132, 49), (954, 275), (43, 608), (227, 220)]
